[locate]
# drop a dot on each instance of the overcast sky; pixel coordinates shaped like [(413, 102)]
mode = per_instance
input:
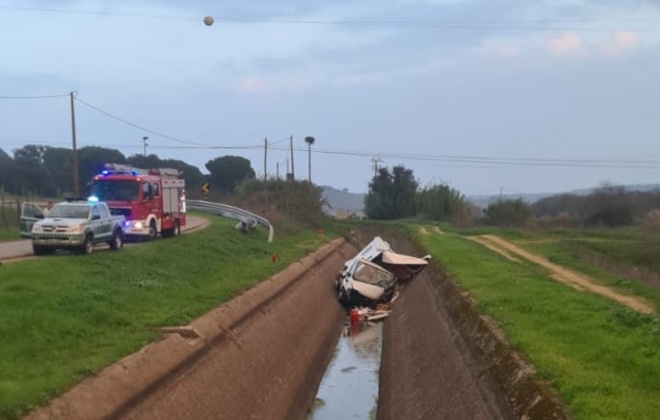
[(544, 90)]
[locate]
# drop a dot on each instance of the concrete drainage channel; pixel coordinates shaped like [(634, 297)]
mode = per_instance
[(349, 388), (263, 356)]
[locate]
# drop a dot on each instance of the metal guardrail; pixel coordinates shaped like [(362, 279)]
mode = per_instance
[(250, 220)]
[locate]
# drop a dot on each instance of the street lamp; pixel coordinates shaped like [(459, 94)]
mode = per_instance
[(144, 144), (310, 140)]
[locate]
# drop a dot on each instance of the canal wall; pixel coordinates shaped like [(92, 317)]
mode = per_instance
[(260, 356)]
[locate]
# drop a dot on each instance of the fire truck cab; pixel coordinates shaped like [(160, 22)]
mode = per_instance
[(152, 201)]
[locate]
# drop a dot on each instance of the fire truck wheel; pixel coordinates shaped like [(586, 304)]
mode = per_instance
[(153, 232), (117, 240), (87, 246), (177, 228)]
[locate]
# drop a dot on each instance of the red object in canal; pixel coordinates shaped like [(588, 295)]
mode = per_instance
[(355, 317)]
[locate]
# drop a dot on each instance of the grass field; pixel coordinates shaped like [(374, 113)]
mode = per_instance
[(65, 317), (9, 222), (604, 359)]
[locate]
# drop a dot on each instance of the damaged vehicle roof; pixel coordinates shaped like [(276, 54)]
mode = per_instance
[(376, 274)]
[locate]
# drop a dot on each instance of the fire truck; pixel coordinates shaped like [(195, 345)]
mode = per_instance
[(152, 201)]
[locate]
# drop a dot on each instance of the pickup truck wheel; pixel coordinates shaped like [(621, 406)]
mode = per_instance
[(39, 250), (87, 246), (117, 241)]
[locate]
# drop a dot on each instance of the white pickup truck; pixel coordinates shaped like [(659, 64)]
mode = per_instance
[(71, 224)]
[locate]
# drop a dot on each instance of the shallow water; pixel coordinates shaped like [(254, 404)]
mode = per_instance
[(349, 388)]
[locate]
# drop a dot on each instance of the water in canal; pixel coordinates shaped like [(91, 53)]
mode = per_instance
[(349, 389)]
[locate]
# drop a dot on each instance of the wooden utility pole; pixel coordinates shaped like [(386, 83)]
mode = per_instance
[(293, 172), (74, 150), (266, 159)]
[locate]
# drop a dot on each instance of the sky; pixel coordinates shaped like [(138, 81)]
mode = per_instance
[(487, 96)]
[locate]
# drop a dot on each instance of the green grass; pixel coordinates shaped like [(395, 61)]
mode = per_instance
[(10, 234), (9, 223), (603, 359), (65, 317)]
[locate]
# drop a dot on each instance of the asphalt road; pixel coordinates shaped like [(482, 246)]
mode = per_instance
[(23, 248)]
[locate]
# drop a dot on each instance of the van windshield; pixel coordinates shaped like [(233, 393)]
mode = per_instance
[(367, 273)]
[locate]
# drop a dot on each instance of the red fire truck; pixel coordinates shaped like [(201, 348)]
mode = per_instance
[(152, 201)]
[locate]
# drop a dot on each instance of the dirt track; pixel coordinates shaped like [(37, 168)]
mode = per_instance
[(562, 274)]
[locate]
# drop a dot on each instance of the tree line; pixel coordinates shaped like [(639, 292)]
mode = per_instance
[(397, 194), (605, 206), (45, 171)]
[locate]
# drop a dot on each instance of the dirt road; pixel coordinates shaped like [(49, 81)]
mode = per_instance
[(562, 274)]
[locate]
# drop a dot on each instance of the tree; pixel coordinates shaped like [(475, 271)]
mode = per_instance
[(442, 203), (391, 195), (28, 172), (608, 206), (57, 163), (508, 213), (6, 168), (91, 160), (228, 171)]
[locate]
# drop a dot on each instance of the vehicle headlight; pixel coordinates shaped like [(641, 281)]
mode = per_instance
[(74, 229), (137, 225), (37, 229)]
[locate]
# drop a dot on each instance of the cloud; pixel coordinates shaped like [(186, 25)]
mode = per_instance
[(567, 43), (620, 43), (253, 84)]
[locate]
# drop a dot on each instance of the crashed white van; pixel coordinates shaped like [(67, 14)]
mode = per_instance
[(376, 274)]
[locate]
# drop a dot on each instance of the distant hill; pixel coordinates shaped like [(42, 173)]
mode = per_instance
[(342, 199), (485, 200)]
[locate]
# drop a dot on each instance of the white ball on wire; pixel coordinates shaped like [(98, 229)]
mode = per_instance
[(208, 20)]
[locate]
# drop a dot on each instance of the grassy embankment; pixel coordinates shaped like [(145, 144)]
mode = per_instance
[(65, 317), (603, 358)]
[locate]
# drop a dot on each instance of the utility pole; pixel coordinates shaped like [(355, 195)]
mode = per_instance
[(277, 171), (144, 145), (266, 159), (74, 150), (376, 160), (293, 172)]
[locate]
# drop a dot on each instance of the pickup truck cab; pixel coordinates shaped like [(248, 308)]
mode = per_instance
[(74, 224)]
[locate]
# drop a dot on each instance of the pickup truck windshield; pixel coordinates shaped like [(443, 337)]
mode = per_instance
[(112, 190), (69, 211)]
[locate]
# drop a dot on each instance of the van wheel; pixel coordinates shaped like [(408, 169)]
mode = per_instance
[(117, 241), (87, 246)]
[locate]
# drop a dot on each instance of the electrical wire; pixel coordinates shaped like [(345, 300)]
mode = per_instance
[(442, 24), (156, 133), (36, 97)]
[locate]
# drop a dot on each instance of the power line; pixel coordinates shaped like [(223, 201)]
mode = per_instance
[(36, 97), (441, 24), (604, 164), (148, 130)]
